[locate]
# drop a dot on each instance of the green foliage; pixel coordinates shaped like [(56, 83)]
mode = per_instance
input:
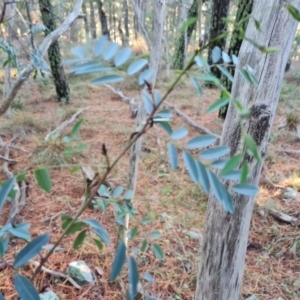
[(43, 179), (25, 288), (118, 262)]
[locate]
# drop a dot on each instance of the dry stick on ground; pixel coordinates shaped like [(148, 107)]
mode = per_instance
[(61, 127), (54, 35), (289, 151), (283, 217)]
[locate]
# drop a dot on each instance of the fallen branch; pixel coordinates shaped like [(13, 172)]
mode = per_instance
[(61, 127), (288, 151), (283, 217), (8, 159), (190, 121), (120, 94), (49, 39)]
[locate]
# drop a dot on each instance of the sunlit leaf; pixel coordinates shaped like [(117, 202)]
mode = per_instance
[(188, 23), (107, 79), (118, 191), (165, 113), (215, 152), (133, 276), (245, 189), (128, 195), (110, 51), (158, 251), (118, 262), (225, 57), (31, 250), (137, 66), (147, 102), (235, 59), (173, 157), (43, 179), (25, 288), (179, 133), (148, 277), (201, 141), (93, 70), (157, 99), (122, 56), (80, 51)]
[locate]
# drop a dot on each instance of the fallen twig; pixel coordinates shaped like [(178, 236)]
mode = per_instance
[(289, 151), (120, 94), (8, 159), (284, 217), (62, 126)]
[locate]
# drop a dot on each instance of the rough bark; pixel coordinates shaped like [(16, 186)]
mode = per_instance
[(93, 20), (241, 21), (225, 236), (217, 27), (103, 19), (42, 49), (57, 70), (184, 39)]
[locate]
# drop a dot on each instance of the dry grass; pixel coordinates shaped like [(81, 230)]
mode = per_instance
[(174, 204)]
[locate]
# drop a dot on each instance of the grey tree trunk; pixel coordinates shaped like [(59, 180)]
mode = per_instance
[(225, 236), (93, 20), (126, 19), (217, 27), (57, 70), (103, 19)]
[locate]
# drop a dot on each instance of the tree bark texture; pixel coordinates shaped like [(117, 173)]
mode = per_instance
[(217, 27), (57, 70), (93, 20), (225, 236), (184, 39), (103, 19), (243, 11)]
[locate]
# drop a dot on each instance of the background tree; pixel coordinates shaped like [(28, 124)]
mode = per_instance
[(218, 26), (225, 236), (93, 24), (103, 19), (57, 70), (244, 10)]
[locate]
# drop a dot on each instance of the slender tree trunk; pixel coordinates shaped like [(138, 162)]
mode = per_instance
[(218, 27), (184, 39), (242, 18), (103, 19), (93, 20), (126, 19), (86, 24), (225, 236), (57, 70)]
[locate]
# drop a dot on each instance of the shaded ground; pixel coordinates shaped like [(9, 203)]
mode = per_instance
[(175, 205)]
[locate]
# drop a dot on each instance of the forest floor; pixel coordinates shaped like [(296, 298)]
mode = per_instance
[(175, 205)]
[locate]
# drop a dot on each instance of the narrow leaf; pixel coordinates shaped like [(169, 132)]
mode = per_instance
[(225, 72), (244, 173), (231, 163), (25, 288), (166, 127), (79, 239), (191, 166), (201, 141), (179, 133), (31, 250), (252, 147), (235, 59), (216, 54), (219, 164), (145, 76), (77, 226), (110, 51), (118, 262), (173, 157), (245, 189), (76, 128), (118, 191), (132, 233), (225, 57), (158, 251), (107, 79), (217, 105), (43, 179), (147, 102), (188, 23), (99, 230), (100, 45), (20, 231), (1, 296), (144, 246), (122, 56), (203, 177), (293, 11), (197, 86), (232, 175), (155, 234), (157, 99), (145, 221), (215, 152), (133, 276), (165, 113), (5, 190), (137, 66), (98, 244)]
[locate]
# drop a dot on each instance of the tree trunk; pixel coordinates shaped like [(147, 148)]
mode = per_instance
[(86, 24), (103, 19), (93, 21), (184, 39), (217, 27), (126, 20), (225, 236), (243, 11), (57, 70)]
